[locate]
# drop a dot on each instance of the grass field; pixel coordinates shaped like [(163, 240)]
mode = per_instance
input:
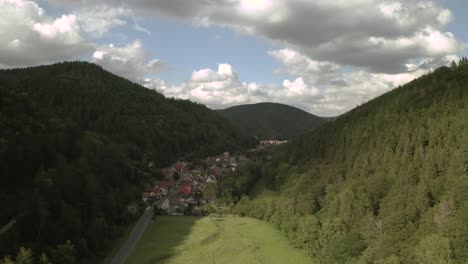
[(261, 191), (209, 240)]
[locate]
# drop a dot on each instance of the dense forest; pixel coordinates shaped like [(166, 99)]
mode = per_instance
[(384, 183), (76, 145), (271, 120)]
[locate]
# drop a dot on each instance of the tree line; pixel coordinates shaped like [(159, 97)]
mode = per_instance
[(383, 183)]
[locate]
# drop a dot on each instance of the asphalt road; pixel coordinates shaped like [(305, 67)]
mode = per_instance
[(8, 226), (132, 240)]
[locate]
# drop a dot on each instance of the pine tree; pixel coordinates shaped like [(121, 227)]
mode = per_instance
[(453, 65)]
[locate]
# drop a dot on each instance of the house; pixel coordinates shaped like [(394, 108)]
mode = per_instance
[(211, 179), (156, 192), (208, 162), (190, 201), (181, 167), (218, 172), (163, 204), (232, 162), (165, 187), (147, 196), (176, 206), (196, 172), (184, 189), (186, 177), (168, 172)]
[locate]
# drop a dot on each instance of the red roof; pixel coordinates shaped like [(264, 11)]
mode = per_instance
[(181, 167), (184, 188)]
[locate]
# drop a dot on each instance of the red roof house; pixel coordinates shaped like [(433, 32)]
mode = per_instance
[(185, 189), (165, 185), (168, 172), (181, 167)]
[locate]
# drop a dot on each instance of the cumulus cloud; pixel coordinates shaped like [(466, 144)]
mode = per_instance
[(131, 61), (222, 88), (342, 89), (334, 95), (337, 54), (98, 20), (297, 64), (381, 36), (28, 36)]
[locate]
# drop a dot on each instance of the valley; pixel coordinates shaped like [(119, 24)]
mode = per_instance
[(383, 183), (214, 239), (233, 132)]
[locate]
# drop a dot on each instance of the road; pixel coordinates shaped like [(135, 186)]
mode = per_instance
[(132, 240), (8, 226)]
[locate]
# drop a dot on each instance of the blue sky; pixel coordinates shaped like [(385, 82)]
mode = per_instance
[(208, 48), (322, 56), (458, 26)]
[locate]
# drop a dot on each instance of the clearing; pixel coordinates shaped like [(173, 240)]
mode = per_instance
[(227, 239)]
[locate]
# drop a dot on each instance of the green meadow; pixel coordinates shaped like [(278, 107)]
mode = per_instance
[(260, 191), (227, 239)]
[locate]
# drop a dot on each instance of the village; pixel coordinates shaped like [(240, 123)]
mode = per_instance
[(186, 186)]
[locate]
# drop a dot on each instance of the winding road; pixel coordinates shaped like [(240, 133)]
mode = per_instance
[(132, 240)]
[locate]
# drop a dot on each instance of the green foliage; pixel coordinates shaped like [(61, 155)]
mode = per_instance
[(75, 144), (64, 253), (210, 191), (383, 183), (44, 259), (7, 260), (25, 256), (434, 249), (271, 120)]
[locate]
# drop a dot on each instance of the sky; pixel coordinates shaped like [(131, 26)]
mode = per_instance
[(325, 57)]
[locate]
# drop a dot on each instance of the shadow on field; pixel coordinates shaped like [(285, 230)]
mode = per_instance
[(166, 233)]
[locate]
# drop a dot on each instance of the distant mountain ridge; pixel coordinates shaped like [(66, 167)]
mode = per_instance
[(271, 120)]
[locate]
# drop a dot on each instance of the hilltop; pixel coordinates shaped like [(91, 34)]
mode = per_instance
[(77, 144), (271, 120), (383, 183)]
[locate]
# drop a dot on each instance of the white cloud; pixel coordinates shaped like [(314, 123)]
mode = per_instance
[(297, 64), (28, 36), (380, 35), (341, 89), (222, 88), (339, 92), (98, 20), (131, 61), (337, 54)]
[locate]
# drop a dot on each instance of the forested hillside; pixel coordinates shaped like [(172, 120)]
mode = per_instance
[(76, 145), (385, 183), (271, 120)]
